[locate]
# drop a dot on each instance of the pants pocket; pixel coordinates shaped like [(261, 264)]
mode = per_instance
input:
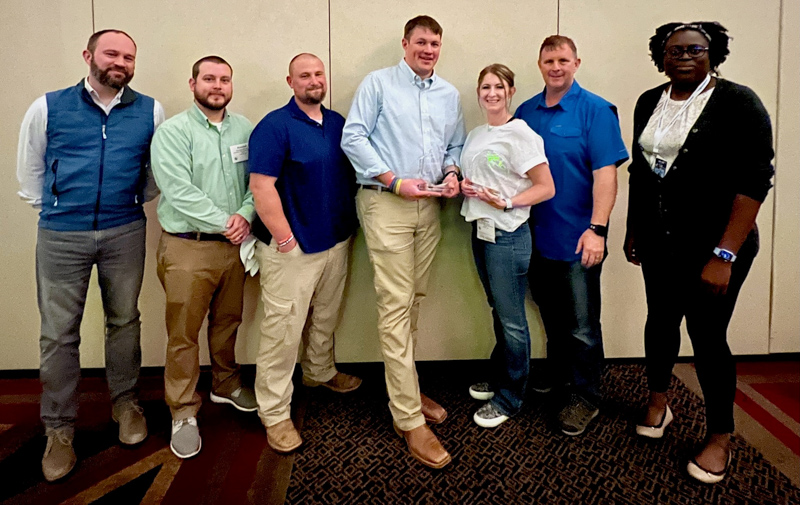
[(277, 319)]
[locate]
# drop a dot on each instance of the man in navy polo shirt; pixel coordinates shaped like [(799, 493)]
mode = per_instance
[(583, 144), (304, 189)]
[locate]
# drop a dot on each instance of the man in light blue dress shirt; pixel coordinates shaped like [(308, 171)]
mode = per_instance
[(404, 135)]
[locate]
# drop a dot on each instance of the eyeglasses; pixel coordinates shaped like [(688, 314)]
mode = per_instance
[(694, 51)]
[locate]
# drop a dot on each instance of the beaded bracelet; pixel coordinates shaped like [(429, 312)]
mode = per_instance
[(287, 241)]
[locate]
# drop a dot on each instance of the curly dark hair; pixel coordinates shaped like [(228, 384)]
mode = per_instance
[(715, 32)]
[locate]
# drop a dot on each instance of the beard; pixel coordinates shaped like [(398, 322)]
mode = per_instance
[(315, 99), (208, 104), (104, 77)]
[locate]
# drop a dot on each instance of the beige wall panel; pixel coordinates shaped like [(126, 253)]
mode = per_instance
[(785, 336), (612, 38), (365, 36), (40, 51)]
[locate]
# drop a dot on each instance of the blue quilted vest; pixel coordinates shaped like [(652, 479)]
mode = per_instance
[(96, 164)]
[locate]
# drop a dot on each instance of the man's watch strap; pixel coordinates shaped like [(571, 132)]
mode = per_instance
[(599, 229), (458, 175), (725, 255)]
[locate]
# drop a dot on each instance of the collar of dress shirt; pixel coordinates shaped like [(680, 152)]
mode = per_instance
[(196, 114), (566, 101), (96, 96), (414, 78)]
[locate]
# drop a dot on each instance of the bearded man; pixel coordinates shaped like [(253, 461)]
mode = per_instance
[(304, 190), (84, 161), (200, 165)]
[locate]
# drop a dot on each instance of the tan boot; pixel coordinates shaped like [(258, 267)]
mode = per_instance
[(433, 412), (59, 458), (132, 425), (283, 437), (341, 383), (425, 447)]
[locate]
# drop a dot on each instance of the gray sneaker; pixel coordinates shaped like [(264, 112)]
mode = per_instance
[(481, 391), (488, 416), (59, 456), (185, 441), (132, 425), (243, 399), (576, 415)]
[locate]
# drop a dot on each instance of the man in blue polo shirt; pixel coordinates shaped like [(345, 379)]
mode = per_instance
[(583, 144), (304, 190)]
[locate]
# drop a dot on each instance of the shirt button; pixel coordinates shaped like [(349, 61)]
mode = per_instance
[(685, 150), (695, 130)]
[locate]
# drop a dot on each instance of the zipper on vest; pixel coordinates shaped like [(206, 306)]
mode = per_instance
[(100, 179)]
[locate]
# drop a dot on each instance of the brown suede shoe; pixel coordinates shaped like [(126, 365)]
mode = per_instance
[(132, 425), (341, 383), (425, 447), (283, 437), (59, 457), (433, 412)]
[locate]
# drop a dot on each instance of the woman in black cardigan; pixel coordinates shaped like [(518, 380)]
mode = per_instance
[(701, 169)]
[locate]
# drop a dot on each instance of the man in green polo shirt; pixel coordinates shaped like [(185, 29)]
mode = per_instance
[(199, 161)]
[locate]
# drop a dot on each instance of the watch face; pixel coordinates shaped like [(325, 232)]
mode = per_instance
[(725, 255)]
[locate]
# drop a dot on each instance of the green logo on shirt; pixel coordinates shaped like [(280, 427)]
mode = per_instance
[(495, 162)]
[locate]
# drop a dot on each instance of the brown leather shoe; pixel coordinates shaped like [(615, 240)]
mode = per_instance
[(425, 447), (341, 383), (433, 412), (283, 437)]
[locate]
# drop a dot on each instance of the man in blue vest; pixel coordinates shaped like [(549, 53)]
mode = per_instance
[(83, 160)]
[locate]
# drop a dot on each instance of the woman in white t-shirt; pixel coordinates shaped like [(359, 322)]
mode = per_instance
[(505, 173)]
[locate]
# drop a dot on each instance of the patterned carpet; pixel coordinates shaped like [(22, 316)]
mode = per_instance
[(352, 455)]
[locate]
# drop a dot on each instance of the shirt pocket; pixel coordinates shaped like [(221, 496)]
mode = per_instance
[(566, 131)]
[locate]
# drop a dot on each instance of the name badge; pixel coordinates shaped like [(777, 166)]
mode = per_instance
[(239, 153), (486, 230), (660, 168)]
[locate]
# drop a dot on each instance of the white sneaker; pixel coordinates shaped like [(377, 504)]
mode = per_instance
[(481, 391), (185, 441), (488, 416)]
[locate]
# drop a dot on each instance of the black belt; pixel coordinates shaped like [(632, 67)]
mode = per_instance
[(202, 237), (375, 187)]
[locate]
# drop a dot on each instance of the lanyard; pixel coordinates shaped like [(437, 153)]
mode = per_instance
[(661, 130)]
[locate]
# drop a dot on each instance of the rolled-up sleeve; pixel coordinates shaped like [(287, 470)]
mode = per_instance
[(361, 121)]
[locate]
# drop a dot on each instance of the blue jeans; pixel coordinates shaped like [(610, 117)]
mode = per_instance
[(64, 261), (502, 268), (568, 296)]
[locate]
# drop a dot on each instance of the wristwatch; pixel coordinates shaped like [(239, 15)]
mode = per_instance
[(509, 205), (459, 177), (725, 255), (599, 229)]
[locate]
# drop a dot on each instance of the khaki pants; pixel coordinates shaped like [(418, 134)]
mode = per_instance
[(401, 237), (302, 295), (198, 276)]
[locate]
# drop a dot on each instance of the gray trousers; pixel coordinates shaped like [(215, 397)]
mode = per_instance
[(64, 261)]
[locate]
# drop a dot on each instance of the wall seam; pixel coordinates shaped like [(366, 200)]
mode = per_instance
[(558, 17), (330, 61), (94, 29), (775, 184)]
